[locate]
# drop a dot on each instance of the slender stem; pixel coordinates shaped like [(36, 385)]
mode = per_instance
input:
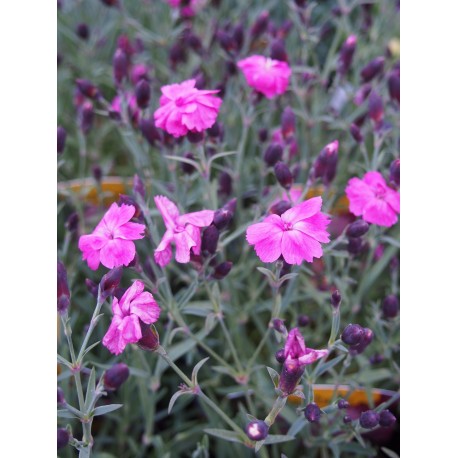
[(183, 376), (276, 409), (92, 325)]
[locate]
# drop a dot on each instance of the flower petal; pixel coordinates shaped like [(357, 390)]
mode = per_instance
[(130, 329), (133, 291), (199, 219), (377, 211), (130, 231), (359, 194), (183, 244), (168, 210), (297, 246), (315, 227), (145, 307), (117, 252), (304, 210), (163, 252), (260, 231), (269, 248), (117, 216), (312, 356)]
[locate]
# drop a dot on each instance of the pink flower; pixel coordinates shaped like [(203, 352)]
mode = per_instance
[(111, 241), (186, 109), (268, 76), (132, 107), (183, 230), (297, 353), (187, 10), (134, 308), (372, 199), (295, 235)]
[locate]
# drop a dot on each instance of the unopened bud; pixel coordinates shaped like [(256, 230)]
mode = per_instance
[(61, 137), (355, 132), (120, 66), (97, 172), (139, 187), (372, 69), (142, 93), (60, 396), (278, 51), (273, 154), (361, 95), (63, 293), (263, 134), (386, 419), (303, 320), (62, 438), (312, 413), (231, 205), (369, 419), (82, 30), (110, 281), (280, 356), (325, 166), (257, 430), (390, 306), (346, 54), (177, 54), (92, 287), (221, 270), (352, 334), (347, 419), (283, 175), (375, 107), (355, 245), (88, 89), (86, 117), (210, 237), (238, 36), (110, 2), (366, 339), (214, 131), (222, 218), (288, 123), (280, 207), (343, 404), (115, 376), (225, 184), (260, 25), (150, 338), (149, 131), (395, 172), (279, 325), (195, 137), (336, 299), (394, 86), (357, 229), (188, 169)]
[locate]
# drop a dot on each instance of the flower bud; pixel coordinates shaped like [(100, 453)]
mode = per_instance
[(283, 175), (86, 117), (195, 137), (210, 237), (375, 108), (62, 438), (60, 396), (355, 245), (290, 375), (110, 2), (390, 306), (260, 25), (231, 205), (221, 270), (312, 413), (361, 95), (214, 131), (238, 35), (150, 338), (61, 137), (372, 69), (336, 299), (110, 281), (347, 419), (92, 287), (376, 359), (222, 218), (139, 187), (280, 207), (273, 154), (303, 320), (346, 54), (300, 3), (63, 293), (366, 339), (120, 66), (194, 42), (325, 165), (394, 86), (115, 376), (386, 419), (226, 41), (139, 72), (343, 404), (278, 51), (395, 172), (82, 30), (263, 134), (357, 229), (356, 133), (177, 54), (225, 184), (257, 430), (188, 169), (280, 356), (88, 89), (288, 123), (352, 334), (369, 419), (279, 325), (149, 131), (97, 172), (142, 93)]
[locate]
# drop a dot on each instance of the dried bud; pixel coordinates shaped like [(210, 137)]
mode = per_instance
[(260, 25), (120, 66), (82, 30), (375, 107), (149, 131), (115, 376), (346, 54), (62, 438), (86, 117), (283, 175), (61, 137), (280, 207), (395, 172), (110, 281), (278, 51), (221, 270), (273, 154), (257, 430), (390, 306), (372, 69), (336, 299), (150, 337), (394, 86), (356, 133), (343, 404), (352, 334), (280, 356), (139, 187), (63, 293), (369, 419), (88, 89), (288, 123), (386, 419), (225, 184), (210, 237), (60, 396), (357, 229), (312, 413), (303, 320), (142, 93)]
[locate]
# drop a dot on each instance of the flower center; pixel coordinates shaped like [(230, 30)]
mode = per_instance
[(287, 226), (269, 62), (380, 191), (179, 228), (179, 101)]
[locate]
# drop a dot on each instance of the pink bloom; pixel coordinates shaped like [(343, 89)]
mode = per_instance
[(295, 235), (186, 109), (132, 107), (111, 241), (296, 352), (134, 308), (183, 230), (372, 199), (268, 76), (187, 10)]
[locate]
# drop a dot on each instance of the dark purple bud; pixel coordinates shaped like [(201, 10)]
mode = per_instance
[(129, 200), (290, 375), (347, 419), (139, 187), (361, 95), (356, 133), (390, 306), (194, 42), (195, 137), (375, 107), (226, 41), (82, 30), (283, 175), (357, 229), (177, 54), (92, 287), (257, 430), (214, 131), (288, 123), (88, 89), (260, 25), (62, 438), (97, 172), (149, 131), (238, 36), (303, 320), (221, 270), (376, 359), (225, 184), (312, 413), (372, 69), (395, 172), (142, 93), (336, 299), (278, 51), (222, 218), (343, 404), (325, 166), (210, 237), (63, 293), (110, 281), (280, 356), (115, 376), (120, 66), (367, 338), (352, 334), (300, 3), (231, 205), (150, 338), (346, 54), (188, 168), (273, 154), (394, 86), (263, 134), (367, 16), (110, 2), (355, 245), (61, 137), (386, 419), (231, 67), (279, 325), (369, 419), (60, 396), (280, 207), (86, 117)]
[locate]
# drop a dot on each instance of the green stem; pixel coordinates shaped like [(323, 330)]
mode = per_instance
[(92, 325), (276, 409)]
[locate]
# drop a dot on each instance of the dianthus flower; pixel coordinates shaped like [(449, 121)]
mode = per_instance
[(268, 76), (295, 235), (111, 241), (135, 309), (371, 198), (183, 109), (183, 230)]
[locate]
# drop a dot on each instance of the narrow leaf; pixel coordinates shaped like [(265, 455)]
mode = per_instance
[(389, 453), (225, 434), (277, 438), (102, 410), (90, 392), (329, 364), (273, 375), (196, 369), (174, 398)]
